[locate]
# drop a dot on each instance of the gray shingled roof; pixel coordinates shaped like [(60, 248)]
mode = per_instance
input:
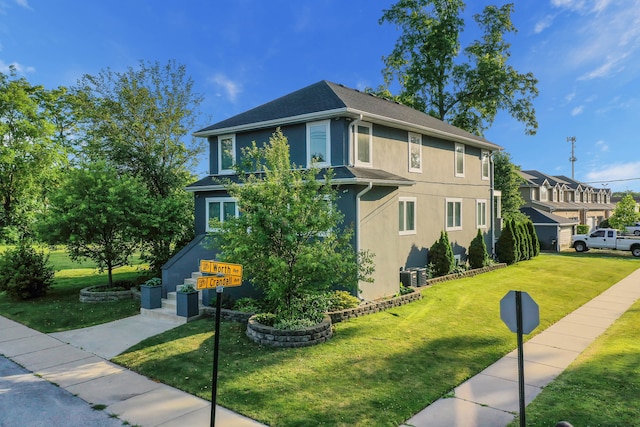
[(338, 100), (540, 217)]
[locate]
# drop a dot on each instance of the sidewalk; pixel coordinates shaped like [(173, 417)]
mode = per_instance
[(491, 398), (83, 371)]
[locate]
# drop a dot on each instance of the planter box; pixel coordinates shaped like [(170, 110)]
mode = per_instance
[(187, 304), (151, 296)]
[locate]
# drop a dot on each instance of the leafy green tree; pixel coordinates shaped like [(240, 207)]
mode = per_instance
[(98, 214), (625, 213), (441, 256), (29, 155), (289, 236), (139, 122), (465, 87), (478, 256), (507, 180)]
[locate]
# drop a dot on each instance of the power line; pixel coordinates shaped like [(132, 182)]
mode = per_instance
[(611, 180)]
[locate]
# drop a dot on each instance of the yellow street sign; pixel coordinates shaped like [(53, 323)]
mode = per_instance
[(208, 282), (215, 267)]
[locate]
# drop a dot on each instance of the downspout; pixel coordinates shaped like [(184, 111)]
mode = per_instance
[(493, 208), (358, 196)]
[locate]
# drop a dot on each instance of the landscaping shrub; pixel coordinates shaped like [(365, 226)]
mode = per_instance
[(342, 300), (533, 236), (506, 245), (478, 256), (404, 290), (441, 256), (247, 305), (267, 319), (604, 224), (525, 245), (25, 273), (582, 229)]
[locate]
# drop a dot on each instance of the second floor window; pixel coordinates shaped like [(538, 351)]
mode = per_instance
[(364, 139), (459, 166), (543, 194), (415, 152), (318, 143), (485, 167), (226, 153)]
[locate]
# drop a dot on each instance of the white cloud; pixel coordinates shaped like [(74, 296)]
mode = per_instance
[(608, 68), (20, 69), (602, 146), (570, 96), (543, 24), (617, 175), (582, 6), (229, 87), (23, 3), (577, 110)]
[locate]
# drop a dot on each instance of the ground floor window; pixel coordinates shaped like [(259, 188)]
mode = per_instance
[(407, 215), (219, 209), (481, 213), (453, 214)]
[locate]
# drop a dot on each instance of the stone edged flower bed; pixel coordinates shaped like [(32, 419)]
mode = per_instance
[(272, 337), (101, 293)]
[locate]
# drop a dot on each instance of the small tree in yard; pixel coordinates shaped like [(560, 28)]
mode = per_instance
[(288, 235), (478, 256), (533, 236), (441, 255), (97, 214), (624, 213), (506, 246)]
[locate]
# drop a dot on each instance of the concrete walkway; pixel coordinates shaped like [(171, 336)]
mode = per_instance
[(77, 361), (491, 398)]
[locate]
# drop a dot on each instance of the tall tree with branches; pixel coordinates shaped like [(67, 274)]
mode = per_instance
[(139, 122), (464, 87)]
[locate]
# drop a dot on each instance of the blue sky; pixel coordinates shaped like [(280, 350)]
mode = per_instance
[(585, 54)]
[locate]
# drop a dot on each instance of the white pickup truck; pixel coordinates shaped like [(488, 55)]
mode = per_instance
[(633, 229), (606, 238)]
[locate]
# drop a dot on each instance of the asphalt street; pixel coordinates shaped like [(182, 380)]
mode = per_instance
[(29, 401)]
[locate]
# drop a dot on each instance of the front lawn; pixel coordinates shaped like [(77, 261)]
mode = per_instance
[(378, 369), (61, 309)]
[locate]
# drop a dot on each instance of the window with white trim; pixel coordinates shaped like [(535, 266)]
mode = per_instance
[(481, 213), (364, 141), (485, 166), (407, 215), (453, 215), (543, 194), (226, 153), (220, 209), (415, 152), (459, 160), (319, 143)]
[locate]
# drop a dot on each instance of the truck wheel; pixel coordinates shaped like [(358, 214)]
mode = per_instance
[(580, 247), (635, 251)]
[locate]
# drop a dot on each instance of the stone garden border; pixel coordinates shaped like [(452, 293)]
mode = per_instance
[(272, 337), (92, 295)]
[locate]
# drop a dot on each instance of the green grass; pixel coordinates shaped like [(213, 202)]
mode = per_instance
[(378, 369), (61, 309), (602, 387)]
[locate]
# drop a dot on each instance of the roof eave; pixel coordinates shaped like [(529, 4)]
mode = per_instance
[(319, 115)]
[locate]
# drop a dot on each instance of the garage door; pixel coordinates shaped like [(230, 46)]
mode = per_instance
[(565, 237)]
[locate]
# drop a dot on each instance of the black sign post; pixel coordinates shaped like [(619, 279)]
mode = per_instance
[(521, 315), (216, 345)]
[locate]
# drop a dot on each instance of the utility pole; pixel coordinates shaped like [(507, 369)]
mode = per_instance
[(572, 159)]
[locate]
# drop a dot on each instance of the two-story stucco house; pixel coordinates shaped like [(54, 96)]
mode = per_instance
[(556, 204), (403, 176)]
